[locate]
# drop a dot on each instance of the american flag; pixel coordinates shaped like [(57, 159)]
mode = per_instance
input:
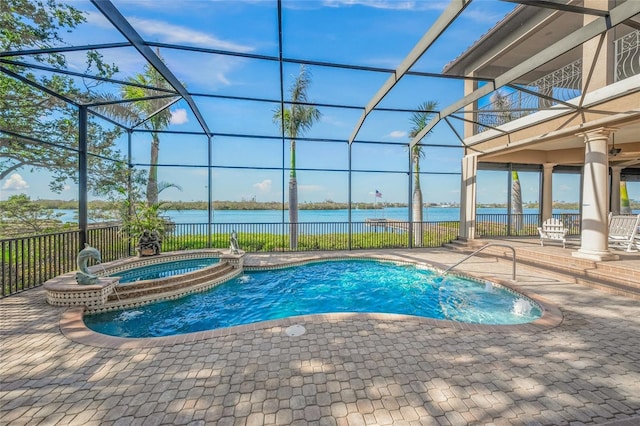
[(378, 194)]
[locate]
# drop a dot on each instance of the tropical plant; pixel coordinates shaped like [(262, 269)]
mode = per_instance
[(156, 116), (294, 122), (625, 205), (138, 216), (419, 120), (502, 103), (516, 201)]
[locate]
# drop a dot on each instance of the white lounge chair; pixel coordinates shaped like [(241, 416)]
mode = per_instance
[(553, 229), (623, 231)]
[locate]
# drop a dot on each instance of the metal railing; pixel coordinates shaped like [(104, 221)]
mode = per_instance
[(30, 261), (506, 225), (513, 258), (562, 84), (627, 53), (268, 237), (514, 225), (27, 262)]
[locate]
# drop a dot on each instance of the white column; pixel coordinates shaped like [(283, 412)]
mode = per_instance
[(468, 197), (595, 197), (615, 189), (547, 192)]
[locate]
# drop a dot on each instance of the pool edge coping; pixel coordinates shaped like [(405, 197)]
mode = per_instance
[(72, 325)]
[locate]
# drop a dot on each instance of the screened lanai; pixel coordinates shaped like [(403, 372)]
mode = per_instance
[(186, 101)]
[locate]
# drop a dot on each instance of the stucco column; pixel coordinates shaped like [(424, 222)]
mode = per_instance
[(597, 54), (615, 189), (468, 197), (595, 197), (547, 192)]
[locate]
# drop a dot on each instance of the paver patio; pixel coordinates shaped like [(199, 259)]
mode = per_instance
[(345, 370)]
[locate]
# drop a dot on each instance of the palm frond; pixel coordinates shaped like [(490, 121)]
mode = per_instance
[(121, 112), (298, 119), (421, 118)]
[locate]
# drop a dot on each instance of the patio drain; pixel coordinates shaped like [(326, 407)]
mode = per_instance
[(295, 330)]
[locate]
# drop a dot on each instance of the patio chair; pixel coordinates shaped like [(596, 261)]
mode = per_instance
[(553, 229), (623, 231)]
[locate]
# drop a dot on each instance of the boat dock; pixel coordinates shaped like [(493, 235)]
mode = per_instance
[(388, 224)]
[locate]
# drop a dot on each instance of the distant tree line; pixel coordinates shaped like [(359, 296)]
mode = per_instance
[(274, 205), (219, 205)]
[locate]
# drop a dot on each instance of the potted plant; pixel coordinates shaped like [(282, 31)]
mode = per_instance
[(147, 228), (145, 225)]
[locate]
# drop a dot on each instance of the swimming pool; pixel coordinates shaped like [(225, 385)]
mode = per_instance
[(164, 270), (323, 287)]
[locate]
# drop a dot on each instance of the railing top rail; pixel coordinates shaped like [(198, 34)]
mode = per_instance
[(513, 272)]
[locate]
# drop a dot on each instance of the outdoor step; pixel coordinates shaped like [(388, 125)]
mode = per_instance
[(454, 247), (168, 284), (604, 272), (629, 276), (607, 283), (167, 293), (612, 278), (137, 285), (459, 245)]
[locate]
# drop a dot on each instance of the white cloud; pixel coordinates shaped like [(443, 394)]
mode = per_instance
[(390, 4), (223, 79), (264, 186), (194, 70), (15, 182), (97, 19), (179, 116), (397, 134), (66, 188), (170, 33)]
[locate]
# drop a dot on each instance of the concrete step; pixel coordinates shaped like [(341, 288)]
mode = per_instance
[(171, 287), (605, 276), (162, 282), (169, 284)]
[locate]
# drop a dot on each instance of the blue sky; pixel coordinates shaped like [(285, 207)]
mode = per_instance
[(375, 33)]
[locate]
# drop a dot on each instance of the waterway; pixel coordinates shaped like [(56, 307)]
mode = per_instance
[(431, 214)]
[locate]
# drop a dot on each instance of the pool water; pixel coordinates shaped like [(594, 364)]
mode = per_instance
[(323, 287), (164, 270)]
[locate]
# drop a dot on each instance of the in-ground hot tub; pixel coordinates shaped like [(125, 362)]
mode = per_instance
[(177, 273)]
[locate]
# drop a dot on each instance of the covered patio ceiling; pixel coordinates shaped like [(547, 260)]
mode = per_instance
[(411, 76)]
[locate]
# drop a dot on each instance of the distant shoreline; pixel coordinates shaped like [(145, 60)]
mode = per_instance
[(272, 205)]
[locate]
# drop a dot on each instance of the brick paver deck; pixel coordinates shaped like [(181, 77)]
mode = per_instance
[(344, 370)]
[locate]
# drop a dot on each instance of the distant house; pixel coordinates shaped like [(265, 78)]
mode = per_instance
[(568, 99)]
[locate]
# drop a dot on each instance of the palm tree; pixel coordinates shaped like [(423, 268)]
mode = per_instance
[(516, 201), (294, 122), (159, 118), (503, 104), (419, 120), (625, 206)]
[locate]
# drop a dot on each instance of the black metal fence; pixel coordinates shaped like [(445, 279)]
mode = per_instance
[(30, 261), (268, 237), (514, 225)]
